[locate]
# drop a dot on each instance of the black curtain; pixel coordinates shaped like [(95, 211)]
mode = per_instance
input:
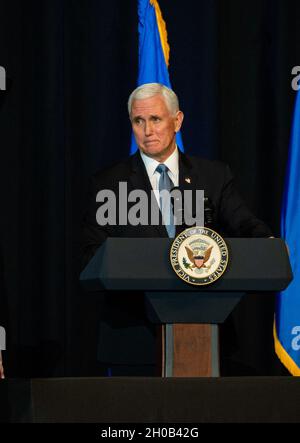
[(70, 66)]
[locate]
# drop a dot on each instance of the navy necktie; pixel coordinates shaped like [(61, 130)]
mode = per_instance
[(166, 184)]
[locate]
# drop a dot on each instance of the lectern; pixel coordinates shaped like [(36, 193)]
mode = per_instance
[(187, 316)]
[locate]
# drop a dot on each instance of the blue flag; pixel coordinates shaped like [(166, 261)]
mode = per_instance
[(287, 316), (153, 51)]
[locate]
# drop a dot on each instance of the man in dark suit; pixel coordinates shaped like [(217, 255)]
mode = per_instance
[(126, 337)]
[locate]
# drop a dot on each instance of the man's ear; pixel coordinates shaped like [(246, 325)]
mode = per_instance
[(178, 120)]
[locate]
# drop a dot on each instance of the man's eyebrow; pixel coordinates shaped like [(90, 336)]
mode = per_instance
[(139, 117)]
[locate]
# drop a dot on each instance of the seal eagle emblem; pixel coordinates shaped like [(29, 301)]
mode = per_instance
[(199, 255)]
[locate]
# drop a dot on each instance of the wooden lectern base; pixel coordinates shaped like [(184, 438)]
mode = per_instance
[(188, 350)]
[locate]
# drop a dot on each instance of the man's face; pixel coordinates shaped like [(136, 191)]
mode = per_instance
[(154, 127)]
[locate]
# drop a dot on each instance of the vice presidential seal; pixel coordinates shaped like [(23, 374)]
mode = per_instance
[(199, 255)]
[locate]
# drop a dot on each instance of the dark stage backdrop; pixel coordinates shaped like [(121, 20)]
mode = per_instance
[(71, 65)]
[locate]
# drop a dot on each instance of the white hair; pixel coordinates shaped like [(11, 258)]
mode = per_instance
[(151, 89)]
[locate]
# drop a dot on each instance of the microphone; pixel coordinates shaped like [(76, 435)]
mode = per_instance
[(208, 212), (178, 211)]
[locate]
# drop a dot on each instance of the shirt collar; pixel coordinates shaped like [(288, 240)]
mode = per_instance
[(171, 162)]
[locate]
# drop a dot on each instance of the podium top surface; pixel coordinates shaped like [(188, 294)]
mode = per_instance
[(255, 264)]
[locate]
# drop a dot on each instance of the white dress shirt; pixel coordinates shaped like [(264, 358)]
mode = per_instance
[(151, 164)]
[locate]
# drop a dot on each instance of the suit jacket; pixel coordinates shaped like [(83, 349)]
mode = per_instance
[(125, 334)]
